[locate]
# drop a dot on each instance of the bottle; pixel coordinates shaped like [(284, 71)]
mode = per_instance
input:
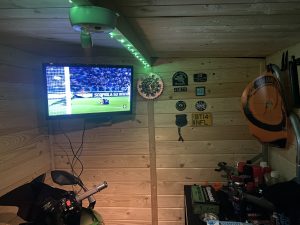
[(263, 164), (265, 173), (257, 174), (240, 167)]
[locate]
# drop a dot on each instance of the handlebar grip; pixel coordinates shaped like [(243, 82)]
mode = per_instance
[(91, 192), (262, 202)]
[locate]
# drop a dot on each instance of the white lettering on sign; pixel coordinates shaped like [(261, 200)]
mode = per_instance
[(210, 196)]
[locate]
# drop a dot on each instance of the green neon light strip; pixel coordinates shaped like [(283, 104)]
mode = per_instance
[(117, 35)]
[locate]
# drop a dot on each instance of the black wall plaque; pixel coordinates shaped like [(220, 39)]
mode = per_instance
[(200, 77), (180, 79), (180, 89)]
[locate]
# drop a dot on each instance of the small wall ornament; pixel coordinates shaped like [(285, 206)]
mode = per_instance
[(180, 105), (200, 105), (200, 91), (150, 87), (181, 121), (180, 79), (200, 77)]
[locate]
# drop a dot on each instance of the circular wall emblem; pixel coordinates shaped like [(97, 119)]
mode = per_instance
[(200, 105), (150, 87), (180, 105)]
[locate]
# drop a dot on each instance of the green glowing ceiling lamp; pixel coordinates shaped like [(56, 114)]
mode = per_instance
[(91, 19)]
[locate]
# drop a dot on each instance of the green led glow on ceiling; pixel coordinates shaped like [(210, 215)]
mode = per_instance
[(86, 19), (117, 35)]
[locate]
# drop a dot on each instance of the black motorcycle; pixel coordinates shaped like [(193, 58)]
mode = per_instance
[(41, 204)]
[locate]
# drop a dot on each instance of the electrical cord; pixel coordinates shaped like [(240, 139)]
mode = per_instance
[(79, 151), (76, 154)]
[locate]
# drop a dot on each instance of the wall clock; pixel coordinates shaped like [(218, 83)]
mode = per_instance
[(150, 87)]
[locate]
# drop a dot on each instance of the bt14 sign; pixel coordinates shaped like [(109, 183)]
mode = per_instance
[(201, 119)]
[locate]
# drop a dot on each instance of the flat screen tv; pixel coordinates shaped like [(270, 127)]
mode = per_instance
[(77, 90)]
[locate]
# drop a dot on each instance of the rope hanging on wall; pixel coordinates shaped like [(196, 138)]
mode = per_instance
[(181, 121)]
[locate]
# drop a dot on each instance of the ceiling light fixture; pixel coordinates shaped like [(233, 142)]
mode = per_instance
[(86, 39), (89, 19)]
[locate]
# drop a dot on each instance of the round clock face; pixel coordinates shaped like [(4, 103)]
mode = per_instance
[(150, 87)]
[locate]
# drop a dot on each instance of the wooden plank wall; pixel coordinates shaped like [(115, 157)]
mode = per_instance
[(24, 146), (116, 151), (228, 139), (140, 156), (284, 160)]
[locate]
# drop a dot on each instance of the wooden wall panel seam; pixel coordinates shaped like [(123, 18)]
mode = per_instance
[(152, 154)]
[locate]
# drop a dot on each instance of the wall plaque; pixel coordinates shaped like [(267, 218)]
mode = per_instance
[(200, 77), (180, 79), (180, 89), (201, 119), (200, 91)]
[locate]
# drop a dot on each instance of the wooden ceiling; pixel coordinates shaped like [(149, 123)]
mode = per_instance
[(166, 28)]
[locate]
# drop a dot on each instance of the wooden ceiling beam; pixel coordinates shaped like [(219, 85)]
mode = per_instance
[(198, 10)]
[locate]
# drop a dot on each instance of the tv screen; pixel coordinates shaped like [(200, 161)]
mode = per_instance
[(87, 90)]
